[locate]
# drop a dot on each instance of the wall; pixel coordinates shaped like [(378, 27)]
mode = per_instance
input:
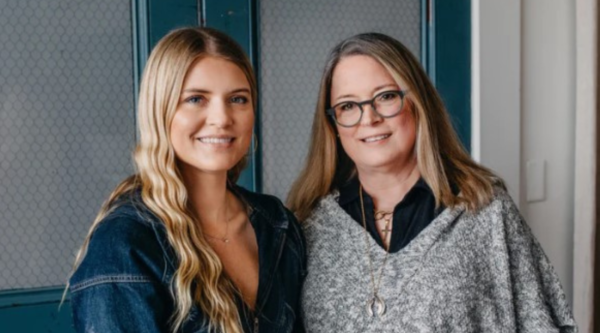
[(548, 124), (523, 111), (66, 129)]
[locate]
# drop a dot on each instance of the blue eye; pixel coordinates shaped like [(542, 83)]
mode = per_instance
[(194, 99), (239, 100)]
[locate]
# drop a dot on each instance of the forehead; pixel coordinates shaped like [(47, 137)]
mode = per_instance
[(215, 71), (361, 75)]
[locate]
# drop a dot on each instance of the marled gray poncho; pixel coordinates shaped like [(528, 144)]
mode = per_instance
[(481, 272)]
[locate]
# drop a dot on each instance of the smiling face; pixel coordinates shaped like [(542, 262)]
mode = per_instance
[(212, 126), (375, 143)]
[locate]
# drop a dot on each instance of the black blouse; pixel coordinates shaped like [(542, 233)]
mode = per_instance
[(411, 215)]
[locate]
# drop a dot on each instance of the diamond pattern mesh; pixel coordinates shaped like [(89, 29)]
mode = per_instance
[(66, 129)]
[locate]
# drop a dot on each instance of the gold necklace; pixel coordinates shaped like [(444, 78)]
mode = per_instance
[(387, 220), (376, 300), (225, 238)]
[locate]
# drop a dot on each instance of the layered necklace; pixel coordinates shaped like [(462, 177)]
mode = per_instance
[(386, 217), (376, 304)]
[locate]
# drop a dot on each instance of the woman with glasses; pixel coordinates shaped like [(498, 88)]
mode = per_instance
[(405, 232), (178, 247)]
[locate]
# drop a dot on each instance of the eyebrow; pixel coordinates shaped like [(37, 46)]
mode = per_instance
[(204, 91), (376, 88)]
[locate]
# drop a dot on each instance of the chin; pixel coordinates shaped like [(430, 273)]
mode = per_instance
[(210, 168), (377, 163)]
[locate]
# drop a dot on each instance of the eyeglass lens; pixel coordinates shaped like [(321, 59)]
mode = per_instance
[(386, 104)]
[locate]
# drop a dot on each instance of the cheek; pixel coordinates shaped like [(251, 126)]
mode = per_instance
[(346, 137), (177, 130), (407, 128), (181, 122), (246, 126)]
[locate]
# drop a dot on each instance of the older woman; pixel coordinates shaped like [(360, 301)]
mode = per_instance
[(405, 232), (178, 247)]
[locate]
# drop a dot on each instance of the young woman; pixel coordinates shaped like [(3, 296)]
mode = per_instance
[(178, 247), (405, 232)]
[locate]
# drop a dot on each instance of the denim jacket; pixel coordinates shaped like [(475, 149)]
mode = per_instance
[(124, 282)]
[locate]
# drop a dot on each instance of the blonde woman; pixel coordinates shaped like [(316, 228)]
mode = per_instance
[(405, 233), (178, 247)]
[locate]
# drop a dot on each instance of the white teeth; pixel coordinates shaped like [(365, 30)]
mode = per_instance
[(216, 140), (376, 138)]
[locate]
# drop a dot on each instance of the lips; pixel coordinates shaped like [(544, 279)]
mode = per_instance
[(216, 140), (375, 138)]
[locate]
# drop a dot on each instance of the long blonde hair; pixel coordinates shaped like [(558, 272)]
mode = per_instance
[(441, 158), (199, 277)]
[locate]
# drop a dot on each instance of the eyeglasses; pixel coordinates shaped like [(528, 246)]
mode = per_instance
[(386, 104)]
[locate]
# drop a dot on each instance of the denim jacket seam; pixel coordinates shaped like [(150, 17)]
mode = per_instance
[(105, 279)]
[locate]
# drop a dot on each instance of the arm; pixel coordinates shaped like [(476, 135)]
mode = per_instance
[(299, 239), (120, 307), (539, 300), (119, 286)]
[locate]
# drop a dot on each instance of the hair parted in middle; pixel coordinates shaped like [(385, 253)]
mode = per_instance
[(442, 160), (199, 277)]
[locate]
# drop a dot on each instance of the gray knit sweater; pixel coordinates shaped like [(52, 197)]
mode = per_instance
[(465, 272)]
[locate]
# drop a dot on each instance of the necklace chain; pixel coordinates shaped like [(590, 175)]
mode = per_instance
[(376, 300), (386, 217), (225, 238)]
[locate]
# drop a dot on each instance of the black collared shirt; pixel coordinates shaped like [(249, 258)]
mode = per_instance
[(411, 215)]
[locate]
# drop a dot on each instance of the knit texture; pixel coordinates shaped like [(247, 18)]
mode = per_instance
[(482, 272)]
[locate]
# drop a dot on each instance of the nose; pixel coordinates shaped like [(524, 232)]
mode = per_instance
[(219, 114), (369, 115)]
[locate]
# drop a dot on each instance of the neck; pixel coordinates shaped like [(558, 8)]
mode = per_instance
[(207, 193), (388, 187)]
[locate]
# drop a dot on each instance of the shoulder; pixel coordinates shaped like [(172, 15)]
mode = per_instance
[(123, 247), (502, 219), (501, 206), (274, 211), (325, 209), (268, 206)]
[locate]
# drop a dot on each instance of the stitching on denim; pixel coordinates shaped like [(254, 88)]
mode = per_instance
[(109, 279), (290, 310)]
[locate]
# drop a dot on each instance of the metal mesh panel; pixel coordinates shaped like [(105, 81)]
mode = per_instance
[(295, 38), (66, 129)]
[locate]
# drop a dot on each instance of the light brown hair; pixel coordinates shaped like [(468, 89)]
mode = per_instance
[(199, 278), (441, 158)]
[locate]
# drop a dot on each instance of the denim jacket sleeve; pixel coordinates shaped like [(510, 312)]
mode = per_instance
[(120, 285), (299, 243)]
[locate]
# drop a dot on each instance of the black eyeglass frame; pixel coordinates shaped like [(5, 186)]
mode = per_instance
[(402, 93)]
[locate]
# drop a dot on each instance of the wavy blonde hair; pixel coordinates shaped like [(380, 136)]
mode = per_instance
[(199, 277), (441, 158)]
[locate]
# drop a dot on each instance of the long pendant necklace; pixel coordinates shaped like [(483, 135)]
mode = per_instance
[(376, 304)]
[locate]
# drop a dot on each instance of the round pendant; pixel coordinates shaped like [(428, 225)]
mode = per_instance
[(376, 305)]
